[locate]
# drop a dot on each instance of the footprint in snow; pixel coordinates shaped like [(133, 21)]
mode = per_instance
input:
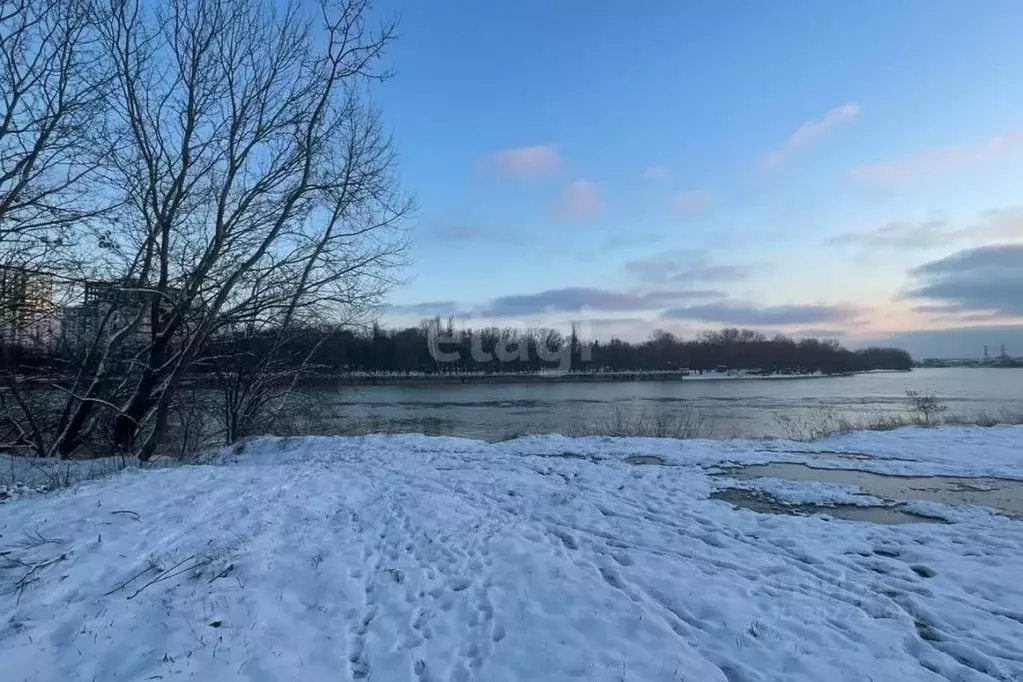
[(459, 583), (421, 670), (611, 578), (459, 673), (623, 559), (357, 658), (567, 540)]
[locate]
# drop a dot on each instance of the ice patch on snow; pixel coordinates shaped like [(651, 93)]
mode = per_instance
[(1002, 494), (804, 492), (765, 503)]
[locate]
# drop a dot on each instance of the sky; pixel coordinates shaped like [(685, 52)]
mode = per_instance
[(849, 170)]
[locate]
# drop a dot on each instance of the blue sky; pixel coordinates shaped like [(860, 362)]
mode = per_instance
[(792, 166)]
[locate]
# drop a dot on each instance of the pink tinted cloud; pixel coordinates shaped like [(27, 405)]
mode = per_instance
[(541, 159), (809, 132), (579, 201), (692, 202), (939, 160)]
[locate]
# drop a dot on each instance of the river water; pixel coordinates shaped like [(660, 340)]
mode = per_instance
[(721, 408)]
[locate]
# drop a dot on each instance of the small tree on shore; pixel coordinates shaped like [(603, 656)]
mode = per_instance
[(927, 405)]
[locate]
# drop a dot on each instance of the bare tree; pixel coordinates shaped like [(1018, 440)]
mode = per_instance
[(235, 184), (53, 138), (54, 143), (258, 186)]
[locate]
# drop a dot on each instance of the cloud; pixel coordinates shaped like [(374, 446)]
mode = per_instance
[(951, 312), (604, 322), (686, 266), (655, 173), (898, 234), (541, 159), (624, 312), (996, 225), (940, 160), (822, 333), (999, 224), (579, 201), (764, 315), (425, 309), (692, 202), (571, 299), (663, 297), (808, 133), (984, 279)]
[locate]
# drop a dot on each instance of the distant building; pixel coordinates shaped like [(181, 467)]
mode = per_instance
[(109, 305), (28, 316)]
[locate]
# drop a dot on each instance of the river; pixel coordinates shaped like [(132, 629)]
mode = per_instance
[(721, 408)]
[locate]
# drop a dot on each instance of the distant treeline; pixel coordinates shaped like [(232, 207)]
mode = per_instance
[(431, 348)]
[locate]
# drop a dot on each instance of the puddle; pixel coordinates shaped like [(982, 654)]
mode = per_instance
[(1003, 495), (644, 459), (829, 454), (569, 455), (768, 504)]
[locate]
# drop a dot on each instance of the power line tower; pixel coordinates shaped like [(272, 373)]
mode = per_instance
[(987, 356)]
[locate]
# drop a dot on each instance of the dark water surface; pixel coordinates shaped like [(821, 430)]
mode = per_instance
[(722, 408)]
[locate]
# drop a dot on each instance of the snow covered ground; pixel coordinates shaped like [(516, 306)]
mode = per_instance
[(544, 558)]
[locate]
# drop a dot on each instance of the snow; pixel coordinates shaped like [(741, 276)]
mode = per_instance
[(950, 450), (545, 558)]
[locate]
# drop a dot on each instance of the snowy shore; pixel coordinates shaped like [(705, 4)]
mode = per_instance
[(545, 558)]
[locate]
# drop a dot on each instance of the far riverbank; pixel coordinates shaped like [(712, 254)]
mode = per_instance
[(423, 379)]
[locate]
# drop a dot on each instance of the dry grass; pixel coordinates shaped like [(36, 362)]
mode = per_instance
[(1004, 417), (21, 474), (826, 423), (682, 425)]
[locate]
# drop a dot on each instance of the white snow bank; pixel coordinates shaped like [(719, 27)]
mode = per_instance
[(914, 450), (547, 558)]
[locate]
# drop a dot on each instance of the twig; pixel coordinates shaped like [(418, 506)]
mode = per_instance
[(86, 399), (36, 540), (223, 574), (27, 577), (130, 580), (168, 574)]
